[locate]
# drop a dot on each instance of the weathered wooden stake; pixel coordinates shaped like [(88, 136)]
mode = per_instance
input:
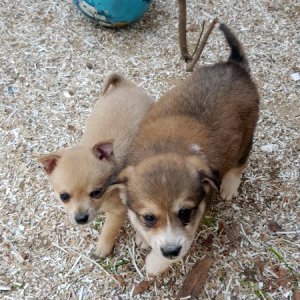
[(191, 60)]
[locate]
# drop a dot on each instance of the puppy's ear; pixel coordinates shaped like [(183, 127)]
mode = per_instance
[(121, 179), (104, 150), (211, 179), (49, 162), (207, 176), (125, 174)]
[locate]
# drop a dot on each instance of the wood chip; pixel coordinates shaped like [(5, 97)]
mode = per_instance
[(296, 294), (120, 279), (142, 287), (283, 276), (260, 267), (231, 230), (274, 226), (208, 242), (192, 27), (195, 279)]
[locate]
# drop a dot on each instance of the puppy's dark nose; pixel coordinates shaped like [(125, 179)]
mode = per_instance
[(82, 218), (170, 251)]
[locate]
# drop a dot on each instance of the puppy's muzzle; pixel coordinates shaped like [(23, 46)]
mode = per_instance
[(170, 251), (82, 218)]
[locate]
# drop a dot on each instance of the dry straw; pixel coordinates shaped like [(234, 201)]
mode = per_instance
[(53, 63)]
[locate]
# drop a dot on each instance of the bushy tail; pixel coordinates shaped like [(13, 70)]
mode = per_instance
[(237, 55), (113, 79)]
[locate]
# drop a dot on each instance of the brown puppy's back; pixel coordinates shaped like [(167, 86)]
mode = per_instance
[(215, 108)]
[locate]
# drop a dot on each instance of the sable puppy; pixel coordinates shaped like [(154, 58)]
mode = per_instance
[(197, 137), (81, 176)]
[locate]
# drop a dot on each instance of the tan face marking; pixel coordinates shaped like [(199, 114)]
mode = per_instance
[(80, 175)]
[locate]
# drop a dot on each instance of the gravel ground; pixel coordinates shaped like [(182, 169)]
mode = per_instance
[(53, 62)]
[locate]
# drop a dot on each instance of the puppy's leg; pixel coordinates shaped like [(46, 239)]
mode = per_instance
[(115, 216), (140, 241), (231, 182), (156, 264)]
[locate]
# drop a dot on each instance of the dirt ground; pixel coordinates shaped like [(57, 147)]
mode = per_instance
[(53, 63)]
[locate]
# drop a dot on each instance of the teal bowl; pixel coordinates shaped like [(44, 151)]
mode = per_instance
[(113, 13)]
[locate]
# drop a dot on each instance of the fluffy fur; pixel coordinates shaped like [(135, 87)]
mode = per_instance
[(196, 138), (81, 176)]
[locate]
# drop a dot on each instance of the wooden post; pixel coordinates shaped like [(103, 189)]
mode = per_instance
[(191, 60)]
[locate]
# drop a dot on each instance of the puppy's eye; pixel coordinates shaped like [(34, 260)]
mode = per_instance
[(65, 197), (96, 193), (149, 220), (185, 215)]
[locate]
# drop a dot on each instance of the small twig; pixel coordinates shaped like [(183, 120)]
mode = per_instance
[(132, 254), (81, 293), (60, 248), (199, 39), (246, 236), (227, 294), (198, 51), (191, 60), (288, 232), (96, 264), (73, 267), (73, 292), (9, 298), (131, 292), (17, 254), (261, 294)]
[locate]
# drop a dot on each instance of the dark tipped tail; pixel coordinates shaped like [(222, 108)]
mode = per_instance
[(237, 55), (113, 79)]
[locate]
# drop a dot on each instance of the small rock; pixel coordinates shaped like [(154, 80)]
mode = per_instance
[(67, 94), (71, 128), (89, 65), (295, 76), (274, 227), (192, 27), (269, 148)]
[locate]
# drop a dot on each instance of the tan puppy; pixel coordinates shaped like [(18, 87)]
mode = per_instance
[(81, 176), (197, 137)]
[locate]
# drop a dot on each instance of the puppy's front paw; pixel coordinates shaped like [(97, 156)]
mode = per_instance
[(103, 248), (156, 264), (140, 241), (229, 186)]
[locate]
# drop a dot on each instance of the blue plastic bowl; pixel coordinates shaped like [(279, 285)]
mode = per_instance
[(113, 13)]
